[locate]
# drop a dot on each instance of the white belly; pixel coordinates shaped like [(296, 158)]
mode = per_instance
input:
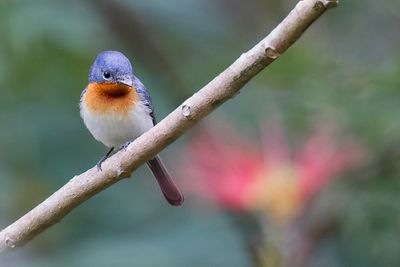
[(115, 130)]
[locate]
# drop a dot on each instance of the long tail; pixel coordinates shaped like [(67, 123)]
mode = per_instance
[(167, 185)]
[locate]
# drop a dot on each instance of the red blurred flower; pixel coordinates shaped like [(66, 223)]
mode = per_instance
[(222, 168), (231, 171)]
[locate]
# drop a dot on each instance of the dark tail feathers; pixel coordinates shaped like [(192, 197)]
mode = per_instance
[(167, 185)]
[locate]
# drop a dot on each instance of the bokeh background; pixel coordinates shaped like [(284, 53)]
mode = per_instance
[(331, 100)]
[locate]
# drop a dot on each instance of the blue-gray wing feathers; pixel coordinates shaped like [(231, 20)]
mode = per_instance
[(145, 97)]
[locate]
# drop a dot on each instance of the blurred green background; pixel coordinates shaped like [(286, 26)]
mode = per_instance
[(346, 67)]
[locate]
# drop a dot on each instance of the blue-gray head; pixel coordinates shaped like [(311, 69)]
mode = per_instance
[(111, 67)]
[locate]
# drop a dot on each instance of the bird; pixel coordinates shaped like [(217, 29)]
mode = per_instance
[(116, 109)]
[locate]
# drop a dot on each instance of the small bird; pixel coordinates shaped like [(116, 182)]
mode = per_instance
[(116, 108)]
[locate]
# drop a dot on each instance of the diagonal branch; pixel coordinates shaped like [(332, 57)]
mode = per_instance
[(226, 85)]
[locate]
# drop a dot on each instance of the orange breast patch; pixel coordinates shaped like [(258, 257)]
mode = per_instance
[(107, 98)]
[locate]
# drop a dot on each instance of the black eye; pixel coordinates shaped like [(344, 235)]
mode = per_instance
[(106, 75)]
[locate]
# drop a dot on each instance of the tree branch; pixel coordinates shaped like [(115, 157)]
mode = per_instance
[(226, 85)]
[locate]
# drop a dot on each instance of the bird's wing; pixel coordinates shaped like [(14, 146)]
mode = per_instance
[(145, 97)]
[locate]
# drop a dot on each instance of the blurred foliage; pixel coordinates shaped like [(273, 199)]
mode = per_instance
[(345, 67)]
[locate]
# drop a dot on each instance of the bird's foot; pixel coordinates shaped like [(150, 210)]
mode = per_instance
[(103, 159), (99, 165), (125, 146)]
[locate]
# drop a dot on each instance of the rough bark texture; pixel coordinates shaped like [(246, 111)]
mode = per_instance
[(223, 87)]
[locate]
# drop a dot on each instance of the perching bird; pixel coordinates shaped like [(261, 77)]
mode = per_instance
[(116, 108)]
